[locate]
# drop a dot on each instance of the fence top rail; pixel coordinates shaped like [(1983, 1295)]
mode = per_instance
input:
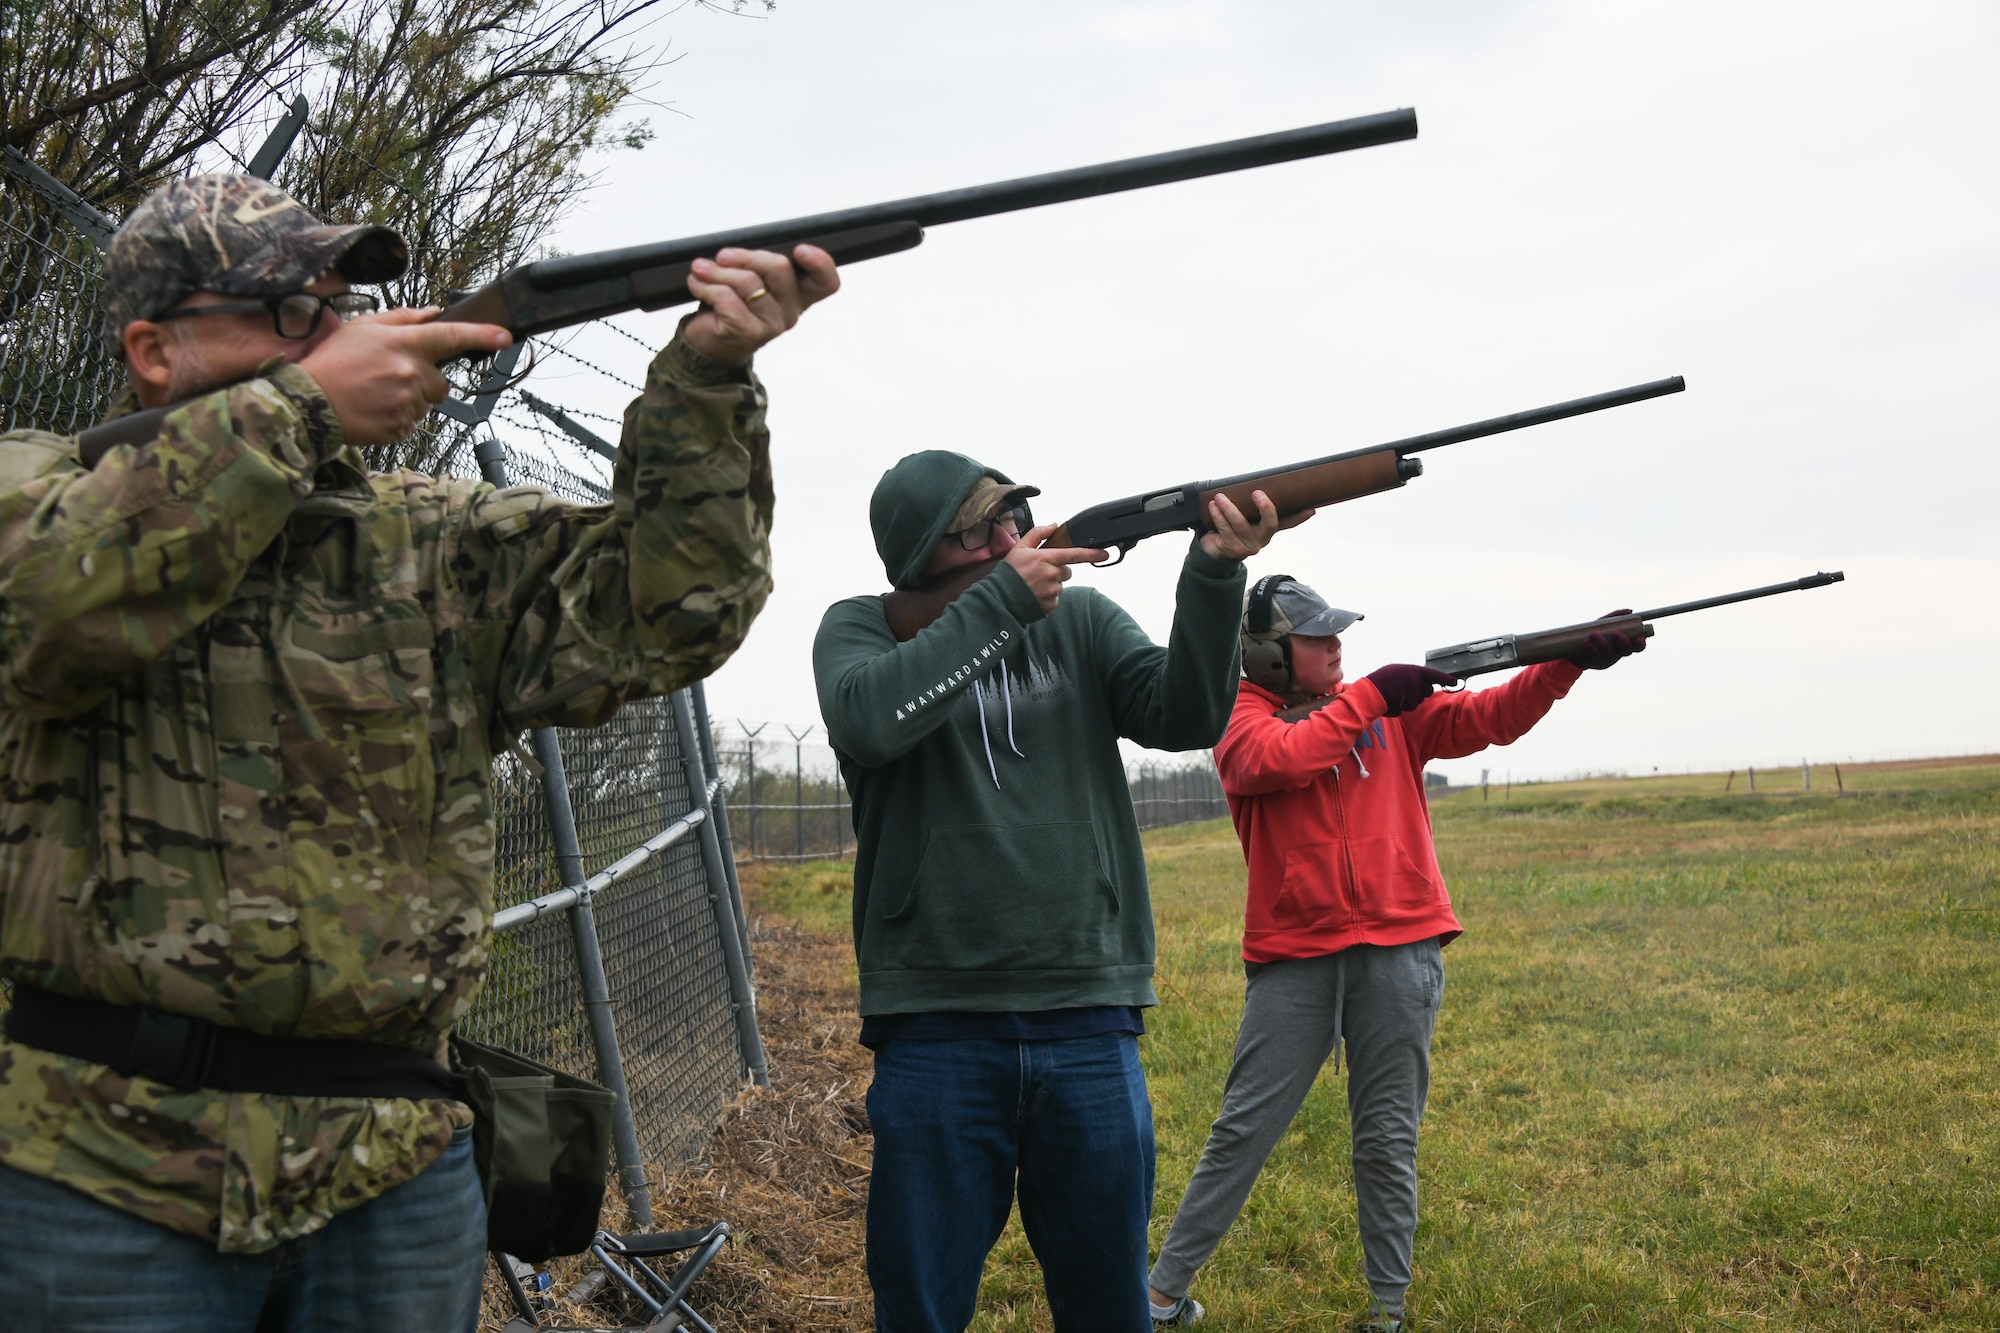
[(513, 918)]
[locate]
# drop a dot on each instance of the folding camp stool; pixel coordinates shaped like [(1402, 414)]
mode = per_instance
[(624, 1260)]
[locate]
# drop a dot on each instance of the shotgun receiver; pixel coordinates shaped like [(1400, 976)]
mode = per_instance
[(552, 294), (1293, 489), (1550, 645)]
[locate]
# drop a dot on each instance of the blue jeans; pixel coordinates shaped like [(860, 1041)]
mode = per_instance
[(957, 1125), (410, 1261)]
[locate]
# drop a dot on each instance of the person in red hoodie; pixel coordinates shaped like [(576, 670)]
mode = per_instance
[(1346, 917)]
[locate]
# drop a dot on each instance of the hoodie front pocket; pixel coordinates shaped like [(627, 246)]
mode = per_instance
[(988, 897), (1309, 891)]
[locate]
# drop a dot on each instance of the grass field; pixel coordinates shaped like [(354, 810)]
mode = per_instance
[(1705, 1061)]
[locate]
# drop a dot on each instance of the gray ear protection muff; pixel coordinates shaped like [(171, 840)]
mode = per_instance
[(1266, 661)]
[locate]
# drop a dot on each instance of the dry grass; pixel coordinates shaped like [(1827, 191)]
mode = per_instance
[(787, 1167)]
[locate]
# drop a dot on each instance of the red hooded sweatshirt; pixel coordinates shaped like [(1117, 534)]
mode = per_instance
[(1331, 809)]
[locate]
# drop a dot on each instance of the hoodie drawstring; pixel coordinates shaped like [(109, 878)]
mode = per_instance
[(979, 697), (1356, 752), (1007, 693)]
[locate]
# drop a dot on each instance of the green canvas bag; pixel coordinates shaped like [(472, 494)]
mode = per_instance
[(542, 1139)]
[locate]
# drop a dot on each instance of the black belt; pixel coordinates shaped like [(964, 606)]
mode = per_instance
[(195, 1053)]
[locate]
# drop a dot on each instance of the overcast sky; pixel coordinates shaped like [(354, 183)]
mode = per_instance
[(1793, 205)]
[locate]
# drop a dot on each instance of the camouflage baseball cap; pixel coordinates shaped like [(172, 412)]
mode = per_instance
[(985, 497), (235, 235)]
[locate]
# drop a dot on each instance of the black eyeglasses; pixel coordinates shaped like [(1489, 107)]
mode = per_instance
[(1013, 522), (296, 315)]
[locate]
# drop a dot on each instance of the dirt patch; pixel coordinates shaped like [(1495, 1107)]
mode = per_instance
[(788, 1166)]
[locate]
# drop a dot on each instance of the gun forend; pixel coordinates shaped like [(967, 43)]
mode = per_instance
[(1506, 651)]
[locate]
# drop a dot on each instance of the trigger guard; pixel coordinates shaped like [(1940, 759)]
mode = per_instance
[(1107, 564), (1458, 686)]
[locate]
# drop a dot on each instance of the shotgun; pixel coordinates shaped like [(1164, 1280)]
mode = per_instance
[(1292, 489), (1507, 651), (552, 294)]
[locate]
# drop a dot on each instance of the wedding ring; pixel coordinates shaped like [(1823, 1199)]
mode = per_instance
[(757, 295)]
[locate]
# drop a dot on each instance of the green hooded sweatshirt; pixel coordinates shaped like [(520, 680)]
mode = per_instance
[(998, 864)]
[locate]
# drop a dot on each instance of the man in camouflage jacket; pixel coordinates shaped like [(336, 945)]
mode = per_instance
[(250, 693)]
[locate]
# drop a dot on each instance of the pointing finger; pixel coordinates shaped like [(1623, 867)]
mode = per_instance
[(1075, 555), (441, 342), (402, 314)]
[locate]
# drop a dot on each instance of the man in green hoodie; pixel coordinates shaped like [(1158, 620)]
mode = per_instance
[(1001, 916)]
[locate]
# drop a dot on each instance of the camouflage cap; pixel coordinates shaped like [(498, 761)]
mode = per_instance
[(235, 235), (985, 498)]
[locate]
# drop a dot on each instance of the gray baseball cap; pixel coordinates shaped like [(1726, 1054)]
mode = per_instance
[(1297, 609), (235, 235)]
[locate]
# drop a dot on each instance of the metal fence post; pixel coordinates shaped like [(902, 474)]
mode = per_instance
[(590, 974), (756, 801), (595, 985), (798, 790), (742, 997), (719, 809), (75, 209), (279, 141)]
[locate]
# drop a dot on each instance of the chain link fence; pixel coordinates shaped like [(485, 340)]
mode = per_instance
[(620, 950), (785, 792), (1182, 793), (790, 805), (55, 372)]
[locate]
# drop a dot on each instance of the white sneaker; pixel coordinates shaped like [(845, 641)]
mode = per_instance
[(1186, 1310)]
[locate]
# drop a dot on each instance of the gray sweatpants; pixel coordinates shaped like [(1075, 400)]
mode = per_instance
[(1385, 1002)]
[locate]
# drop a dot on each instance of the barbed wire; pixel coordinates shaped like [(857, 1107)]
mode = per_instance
[(627, 333), (592, 365), (594, 416)]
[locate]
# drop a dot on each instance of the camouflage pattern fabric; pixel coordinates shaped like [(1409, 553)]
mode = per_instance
[(235, 235), (249, 698)]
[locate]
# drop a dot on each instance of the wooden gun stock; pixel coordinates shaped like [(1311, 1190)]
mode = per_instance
[(1300, 712)]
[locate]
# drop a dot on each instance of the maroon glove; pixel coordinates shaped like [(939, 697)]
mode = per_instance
[(1404, 686), (1601, 650)]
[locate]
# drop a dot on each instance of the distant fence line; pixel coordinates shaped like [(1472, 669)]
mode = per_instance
[(787, 801)]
